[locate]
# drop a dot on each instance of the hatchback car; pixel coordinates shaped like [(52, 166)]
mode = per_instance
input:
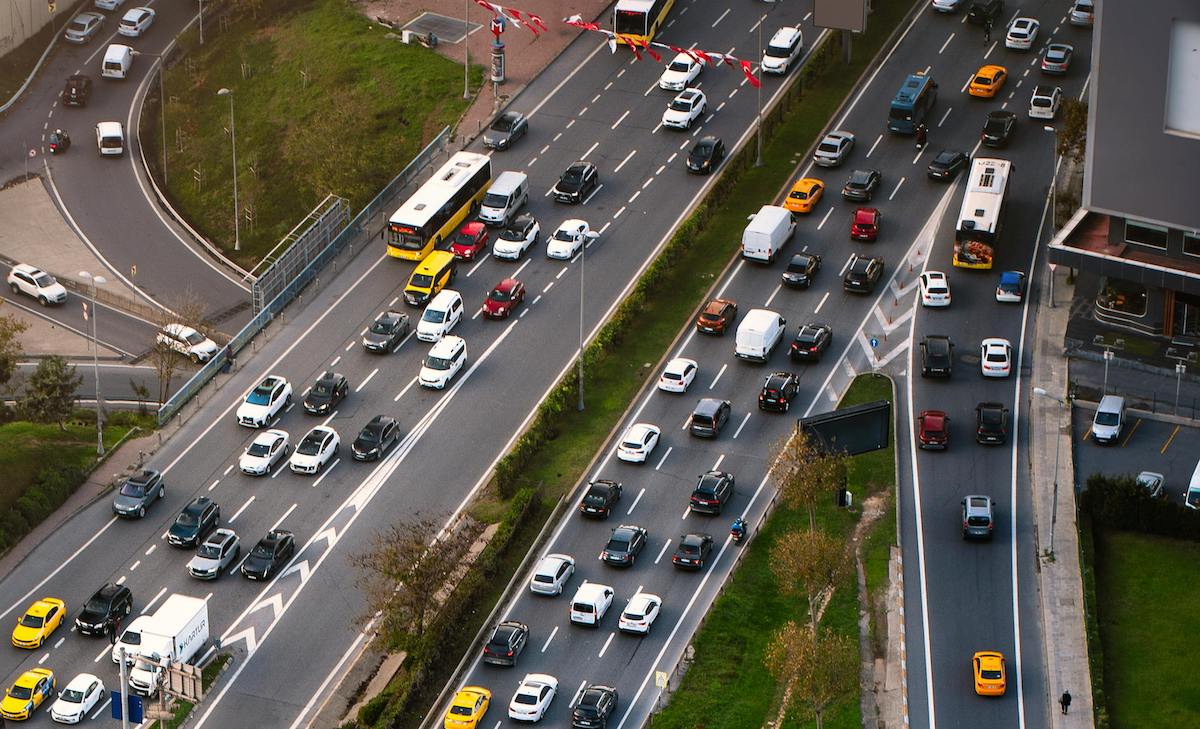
[(692, 552), (596, 704), (504, 298), (37, 284), (937, 356), (706, 155), (862, 274), (995, 357), (987, 81), (506, 130), (135, 22), (508, 640), (713, 490), (709, 417), (83, 27), (716, 317), (470, 241), (77, 91), (1011, 287), (834, 148), (106, 607), (532, 698), (864, 224), (862, 185), (801, 270), (998, 129), (600, 498), (1044, 102), (625, 544), (638, 442), (804, 195), (444, 361), (569, 239), (138, 492), (265, 402), (576, 183), (217, 553), (680, 72), (977, 517), (683, 111), (778, 391), (810, 342), (678, 375), (551, 574), (1022, 32), (1153, 484), (640, 613), (1056, 59), (270, 555), (315, 450), (387, 331), (946, 165), (991, 423), (517, 238), (933, 430), (935, 289), (195, 521), (375, 438), (325, 394)]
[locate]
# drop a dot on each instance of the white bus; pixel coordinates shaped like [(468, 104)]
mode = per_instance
[(982, 216), (434, 212)]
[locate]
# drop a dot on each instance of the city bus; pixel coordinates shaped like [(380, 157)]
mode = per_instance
[(982, 215), (912, 103), (434, 212), (640, 19)]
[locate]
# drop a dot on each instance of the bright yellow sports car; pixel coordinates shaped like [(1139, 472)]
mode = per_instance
[(989, 673), (41, 619), (27, 694), (468, 708), (804, 195)]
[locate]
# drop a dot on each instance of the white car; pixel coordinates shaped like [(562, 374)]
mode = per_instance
[(79, 697), (318, 448), (109, 4), (216, 553), (514, 240), (946, 6), (935, 289), (1022, 32), (552, 574), (188, 342), (1153, 483), (33, 281), (267, 449), (638, 442), (678, 375), (995, 357), (569, 239), (1045, 102), (533, 697), (685, 109), (639, 613), (680, 73), (444, 361), (135, 22), (782, 51), (110, 138), (265, 402)]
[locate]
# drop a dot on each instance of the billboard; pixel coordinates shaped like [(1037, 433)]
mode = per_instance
[(854, 430), (841, 14)]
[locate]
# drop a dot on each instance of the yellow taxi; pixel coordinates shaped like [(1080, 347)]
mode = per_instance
[(468, 708), (41, 619), (804, 195), (987, 81), (27, 694), (989, 673)]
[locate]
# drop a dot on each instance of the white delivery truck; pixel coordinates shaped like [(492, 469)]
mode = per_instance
[(766, 233), (176, 633)]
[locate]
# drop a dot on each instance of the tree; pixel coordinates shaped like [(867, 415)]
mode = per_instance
[(808, 563), (51, 392), (188, 309), (10, 348), (1072, 133), (815, 668), (804, 473), (405, 577)]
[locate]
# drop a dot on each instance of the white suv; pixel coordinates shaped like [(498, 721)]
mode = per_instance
[(444, 361), (591, 602), (265, 402), (785, 47), (685, 109), (1045, 102), (33, 281), (188, 342)]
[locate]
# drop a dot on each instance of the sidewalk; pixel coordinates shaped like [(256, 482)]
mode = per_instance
[(1059, 577)]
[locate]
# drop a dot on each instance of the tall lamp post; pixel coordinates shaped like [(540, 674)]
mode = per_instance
[(162, 104), (96, 281), (758, 161), (1053, 180), (1041, 392), (466, 51), (237, 239), (579, 361)]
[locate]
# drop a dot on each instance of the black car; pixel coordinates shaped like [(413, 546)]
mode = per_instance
[(576, 183), (937, 356), (596, 704), (193, 524), (387, 331), (376, 438), (712, 491), (801, 270), (709, 417), (810, 342), (998, 129), (778, 391), (946, 165), (706, 155), (991, 423), (626, 542), (77, 91), (507, 642), (862, 274), (110, 603), (508, 128), (692, 551), (330, 389), (600, 498), (981, 11), (270, 554), (862, 185)]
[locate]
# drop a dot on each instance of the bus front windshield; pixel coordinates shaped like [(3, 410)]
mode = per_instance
[(408, 239)]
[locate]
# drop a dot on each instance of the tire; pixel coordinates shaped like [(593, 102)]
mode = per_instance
[(141, 512), (43, 301), (15, 289), (195, 358), (162, 491)]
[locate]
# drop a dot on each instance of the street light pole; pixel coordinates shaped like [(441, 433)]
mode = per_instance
[(466, 51), (1053, 180), (1180, 368), (758, 161), (237, 239), (162, 103), (582, 258), (1108, 355), (201, 4), (96, 280)]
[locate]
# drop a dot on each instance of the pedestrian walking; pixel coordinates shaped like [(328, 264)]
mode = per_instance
[(987, 32), (1065, 701), (111, 630)]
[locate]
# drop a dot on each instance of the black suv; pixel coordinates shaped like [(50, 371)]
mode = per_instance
[(801, 270), (946, 164), (600, 498), (693, 551), (110, 603), (375, 438), (991, 423), (326, 392), (77, 91), (507, 642), (193, 524), (981, 11), (810, 342), (998, 129), (706, 155), (625, 544), (778, 391), (862, 274), (862, 185), (937, 356), (596, 705), (272, 552), (576, 183), (714, 489), (388, 330), (709, 417)]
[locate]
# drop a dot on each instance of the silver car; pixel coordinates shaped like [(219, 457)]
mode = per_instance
[(220, 550), (82, 27), (834, 149), (508, 128)]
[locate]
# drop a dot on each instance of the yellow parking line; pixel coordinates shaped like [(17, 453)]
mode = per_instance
[(1087, 434), (1168, 443), (1136, 423)]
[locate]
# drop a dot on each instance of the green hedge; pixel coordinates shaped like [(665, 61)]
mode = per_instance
[(1118, 502), (49, 491)]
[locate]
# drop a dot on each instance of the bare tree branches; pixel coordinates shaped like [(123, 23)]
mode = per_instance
[(189, 310), (808, 563)]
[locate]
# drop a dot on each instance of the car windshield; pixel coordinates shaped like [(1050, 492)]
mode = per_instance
[(262, 551), (464, 239), (72, 696), (1041, 101), (208, 551), (990, 417), (523, 698), (799, 195), (311, 445), (945, 158), (631, 444), (689, 548), (995, 125), (79, 25), (495, 200), (596, 496), (860, 179), (500, 295), (461, 710), (672, 376), (43, 280), (564, 234), (828, 146), (514, 234), (680, 65), (322, 389), (618, 544), (187, 519), (505, 123), (260, 396), (437, 363), (990, 674), (194, 338), (96, 605), (434, 316), (681, 104), (1103, 418), (382, 326), (371, 432), (978, 521), (797, 266), (135, 490), (20, 692), (997, 355), (983, 80), (130, 637), (1193, 497), (702, 149), (778, 51), (258, 448), (707, 487), (420, 281), (32, 621)]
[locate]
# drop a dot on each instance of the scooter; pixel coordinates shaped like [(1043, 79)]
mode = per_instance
[(738, 530), (922, 137), (59, 141)]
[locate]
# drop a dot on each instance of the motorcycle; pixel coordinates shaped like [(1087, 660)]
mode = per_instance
[(922, 136), (59, 141), (738, 530)]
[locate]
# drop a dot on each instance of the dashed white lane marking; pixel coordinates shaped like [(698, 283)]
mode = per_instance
[(824, 219), (547, 643), (943, 48), (326, 472), (664, 458), (873, 146), (821, 302), (718, 20), (617, 123), (943, 121), (335, 361), (213, 485), (559, 135), (135, 565), (662, 551), (635, 197), (548, 287), (618, 213), (228, 469), (610, 635), (672, 157), (590, 150), (635, 502), (718, 377), (771, 298), (400, 394), (627, 158), (897, 188), (738, 432), (363, 384), (239, 511)]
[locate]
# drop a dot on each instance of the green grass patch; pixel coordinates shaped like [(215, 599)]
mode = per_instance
[(1146, 593), (28, 448), (323, 103)]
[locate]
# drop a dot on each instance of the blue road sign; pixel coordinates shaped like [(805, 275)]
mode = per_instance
[(874, 342), (135, 707)]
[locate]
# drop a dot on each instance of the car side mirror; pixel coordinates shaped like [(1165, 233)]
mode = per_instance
[(592, 235)]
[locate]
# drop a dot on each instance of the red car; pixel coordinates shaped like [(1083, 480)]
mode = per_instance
[(504, 297), (470, 241), (933, 429), (866, 224)]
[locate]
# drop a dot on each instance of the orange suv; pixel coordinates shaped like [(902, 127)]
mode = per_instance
[(716, 317)]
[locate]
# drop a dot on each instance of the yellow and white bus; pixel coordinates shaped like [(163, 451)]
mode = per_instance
[(981, 217), (435, 211), (640, 19)]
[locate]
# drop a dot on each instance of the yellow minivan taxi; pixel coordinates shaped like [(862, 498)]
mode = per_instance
[(431, 275)]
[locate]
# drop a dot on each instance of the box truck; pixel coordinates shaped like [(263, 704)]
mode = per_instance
[(175, 634)]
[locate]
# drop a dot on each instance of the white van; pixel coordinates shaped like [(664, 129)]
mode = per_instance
[(441, 315), (590, 603), (117, 60), (785, 47), (769, 229), (758, 334), (443, 362), (504, 198), (110, 139), (1192, 498), (1109, 419)]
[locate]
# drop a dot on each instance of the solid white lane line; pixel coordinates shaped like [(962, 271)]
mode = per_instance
[(363, 384), (664, 458), (821, 302), (240, 510), (400, 394), (627, 158), (661, 552), (635, 502), (873, 146), (718, 377)]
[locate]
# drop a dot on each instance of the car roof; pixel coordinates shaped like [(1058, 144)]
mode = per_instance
[(715, 306), (776, 376), (446, 346), (629, 529), (863, 214), (680, 363), (838, 135), (1011, 276), (990, 68), (933, 417), (689, 95), (708, 406), (640, 599), (785, 34)]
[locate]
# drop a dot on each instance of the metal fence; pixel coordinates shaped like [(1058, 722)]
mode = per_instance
[(360, 226), (324, 223)]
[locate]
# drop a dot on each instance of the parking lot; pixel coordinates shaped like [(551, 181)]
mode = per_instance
[(1145, 445)]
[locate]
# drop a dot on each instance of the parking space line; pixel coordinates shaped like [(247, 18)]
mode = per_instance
[(1136, 423), (1168, 443)]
